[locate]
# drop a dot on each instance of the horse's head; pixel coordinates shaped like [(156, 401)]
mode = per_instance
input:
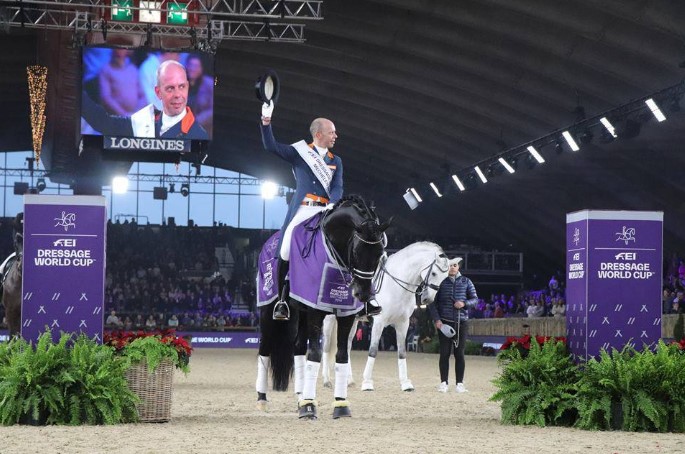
[(431, 277), (367, 246), (358, 237)]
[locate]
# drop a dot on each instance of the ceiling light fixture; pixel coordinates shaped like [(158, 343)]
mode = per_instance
[(480, 174), (506, 165), (569, 140)]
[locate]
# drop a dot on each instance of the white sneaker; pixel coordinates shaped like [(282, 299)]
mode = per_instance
[(461, 388), (443, 388)]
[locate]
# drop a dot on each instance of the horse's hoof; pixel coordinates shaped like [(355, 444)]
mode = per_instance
[(341, 409), (307, 409), (367, 385), (262, 405), (407, 386)]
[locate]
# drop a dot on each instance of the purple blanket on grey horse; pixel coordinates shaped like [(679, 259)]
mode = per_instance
[(315, 278)]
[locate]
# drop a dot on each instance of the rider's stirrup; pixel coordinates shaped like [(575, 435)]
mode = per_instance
[(281, 311), (372, 309)]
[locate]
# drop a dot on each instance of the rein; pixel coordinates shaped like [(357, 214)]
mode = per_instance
[(420, 288), (350, 268)]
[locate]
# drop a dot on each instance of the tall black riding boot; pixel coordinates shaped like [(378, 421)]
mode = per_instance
[(281, 308)]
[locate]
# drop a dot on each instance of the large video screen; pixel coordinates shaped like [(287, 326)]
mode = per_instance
[(146, 93)]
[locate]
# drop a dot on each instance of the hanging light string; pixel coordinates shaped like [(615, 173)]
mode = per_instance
[(38, 87)]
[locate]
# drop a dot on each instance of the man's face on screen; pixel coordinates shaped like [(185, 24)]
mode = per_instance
[(172, 90)]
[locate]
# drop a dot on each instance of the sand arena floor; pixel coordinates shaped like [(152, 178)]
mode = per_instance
[(214, 412)]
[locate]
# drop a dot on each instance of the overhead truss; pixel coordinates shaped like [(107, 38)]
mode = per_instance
[(254, 20)]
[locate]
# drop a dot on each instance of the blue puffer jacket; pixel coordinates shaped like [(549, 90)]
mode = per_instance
[(443, 305)]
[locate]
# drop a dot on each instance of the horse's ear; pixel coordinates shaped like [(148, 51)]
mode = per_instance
[(384, 226)]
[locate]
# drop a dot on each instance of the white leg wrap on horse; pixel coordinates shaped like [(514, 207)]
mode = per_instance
[(342, 371), (402, 367), (368, 369), (262, 373), (311, 374), (300, 362)]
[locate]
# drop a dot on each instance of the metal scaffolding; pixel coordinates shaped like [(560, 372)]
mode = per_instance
[(217, 20)]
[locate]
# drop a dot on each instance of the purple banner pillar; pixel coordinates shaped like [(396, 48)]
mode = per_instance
[(614, 278), (64, 265)]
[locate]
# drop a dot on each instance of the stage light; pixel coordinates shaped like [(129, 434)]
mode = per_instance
[(480, 174), (609, 127), (21, 188), (416, 194), (159, 193), (506, 165), (458, 182), (435, 189), (534, 153), (269, 190), (569, 139), (411, 199), (119, 185), (185, 189), (172, 188), (40, 184), (658, 114)]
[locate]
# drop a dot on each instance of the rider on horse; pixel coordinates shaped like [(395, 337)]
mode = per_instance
[(319, 185)]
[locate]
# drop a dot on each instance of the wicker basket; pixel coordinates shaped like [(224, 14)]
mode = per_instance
[(153, 389)]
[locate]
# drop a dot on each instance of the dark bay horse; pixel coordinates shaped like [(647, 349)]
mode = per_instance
[(354, 239), (11, 293), (11, 274)]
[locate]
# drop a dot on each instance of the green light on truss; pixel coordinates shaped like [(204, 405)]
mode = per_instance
[(121, 10), (178, 13)]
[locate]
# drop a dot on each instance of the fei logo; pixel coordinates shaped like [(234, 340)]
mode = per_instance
[(66, 242), (67, 220), (626, 256), (252, 340), (626, 235)]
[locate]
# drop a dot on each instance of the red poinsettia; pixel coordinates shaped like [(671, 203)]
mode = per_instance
[(524, 341), (681, 344), (120, 338)]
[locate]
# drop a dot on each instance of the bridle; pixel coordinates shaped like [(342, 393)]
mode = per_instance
[(420, 288), (349, 266)]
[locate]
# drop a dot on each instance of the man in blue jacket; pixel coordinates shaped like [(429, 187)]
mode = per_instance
[(449, 312), (319, 182)]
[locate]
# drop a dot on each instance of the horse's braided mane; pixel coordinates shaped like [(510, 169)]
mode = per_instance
[(359, 203)]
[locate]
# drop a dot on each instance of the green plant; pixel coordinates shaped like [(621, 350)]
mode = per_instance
[(68, 382), (32, 379), (152, 347), (633, 390), (98, 391), (538, 388)]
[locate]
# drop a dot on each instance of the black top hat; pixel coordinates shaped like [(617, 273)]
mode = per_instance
[(268, 87)]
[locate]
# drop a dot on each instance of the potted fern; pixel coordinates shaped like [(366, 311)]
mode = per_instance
[(151, 347), (153, 356), (73, 381), (537, 383)]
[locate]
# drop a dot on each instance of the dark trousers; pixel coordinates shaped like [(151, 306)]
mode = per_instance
[(447, 345)]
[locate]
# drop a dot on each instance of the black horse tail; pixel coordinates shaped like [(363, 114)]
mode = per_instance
[(278, 338)]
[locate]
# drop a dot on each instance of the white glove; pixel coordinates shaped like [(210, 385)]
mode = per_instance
[(267, 109), (330, 206)]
